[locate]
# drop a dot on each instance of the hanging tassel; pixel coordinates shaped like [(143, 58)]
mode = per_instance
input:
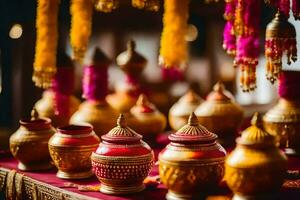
[(63, 85), (81, 12), (280, 39), (284, 7), (296, 9), (229, 39), (173, 49), (46, 43), (106, 5), (95, 77), (289, 85), (151, 5)]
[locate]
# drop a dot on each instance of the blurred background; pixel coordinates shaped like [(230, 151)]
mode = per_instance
[(208, 62)]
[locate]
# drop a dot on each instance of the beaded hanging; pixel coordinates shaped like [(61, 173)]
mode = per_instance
[(81, 22), (173, 46), (229, 38), (46, 43), (296, 9), (151, 5), (106, 5)]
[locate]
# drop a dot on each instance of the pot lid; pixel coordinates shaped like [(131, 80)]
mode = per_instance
[(193, 132), (122, 133), (219, 93), (255, 135), (98, 58), (131, 61), (143, 105)]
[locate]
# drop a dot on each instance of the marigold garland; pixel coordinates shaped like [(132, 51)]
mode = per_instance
[(151, 5), (46, 43), (106, 5), (173, 50), (81, 12)]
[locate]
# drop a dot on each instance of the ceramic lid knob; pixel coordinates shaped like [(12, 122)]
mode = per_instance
[(98, 58)]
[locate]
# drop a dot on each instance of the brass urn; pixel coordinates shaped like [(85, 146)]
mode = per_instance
[(46, 108), (95, 110), (122, 160), (179, 113), (220, 114), (71, 148), (146, 119), (193, 163), (29, 144), (132, 63), (256, 167)]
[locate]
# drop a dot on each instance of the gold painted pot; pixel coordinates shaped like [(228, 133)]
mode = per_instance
[(220, 114), (179, 113), (193, 163), (122, 160), (146, 119), (29, 144), (256, 167), (71, 148), (283, 121), (45, 107), (99, 114)]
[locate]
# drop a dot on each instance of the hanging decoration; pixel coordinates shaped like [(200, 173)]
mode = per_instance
[(296, 9), (246, 27), (106, 5), (173, 45), (229, 38), (280, 40), (151, 5), (46, 43), (81, 22)]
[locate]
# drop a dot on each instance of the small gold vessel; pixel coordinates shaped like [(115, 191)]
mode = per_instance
[(179, 113), (46, 108), (283, 121), (256, 167), (220, 114), (193, 163), (71, 148), (146, 119), (132, 63), (29, 144)]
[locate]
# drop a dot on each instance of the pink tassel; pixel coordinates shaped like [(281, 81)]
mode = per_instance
[(284, 7), (289, 85), (172, 74), (229, 39), (296, 9)]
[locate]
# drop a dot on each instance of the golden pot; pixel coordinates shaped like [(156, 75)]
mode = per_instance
[(283, 121), (179, 113), (220, 114), (32, 139), (71, 148), (146, 119), (122, 160), (193, 163), (99, 114), (45, 107), (256, 167)]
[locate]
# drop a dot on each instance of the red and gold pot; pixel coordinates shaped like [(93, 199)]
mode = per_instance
[(256, 167), (193, 163), (71, 148), (32, 139), (179, 113), (122, 160)]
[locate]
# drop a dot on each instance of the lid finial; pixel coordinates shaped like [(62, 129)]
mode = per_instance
[(219, 87), (193, 120), (131, 46), (142, 100), (34, 114), (122, 121), (256, 120)]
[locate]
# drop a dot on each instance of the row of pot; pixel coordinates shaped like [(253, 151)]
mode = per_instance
[(190, 166)]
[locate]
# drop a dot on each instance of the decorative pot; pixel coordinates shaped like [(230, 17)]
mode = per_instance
[(132, 64), (122, 160), (71, 148), (46, 108), (32, 139), (193, 163), (256, 167), (181, 110), (220, 114), (97, 113), (146, 119)]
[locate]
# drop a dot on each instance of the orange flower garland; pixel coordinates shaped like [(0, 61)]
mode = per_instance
[(173, 50), (46, 43), (81, 12), (151, 5), (106, 5)]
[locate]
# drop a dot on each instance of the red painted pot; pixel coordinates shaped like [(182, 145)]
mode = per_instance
[(71, 148), (122, 161)]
